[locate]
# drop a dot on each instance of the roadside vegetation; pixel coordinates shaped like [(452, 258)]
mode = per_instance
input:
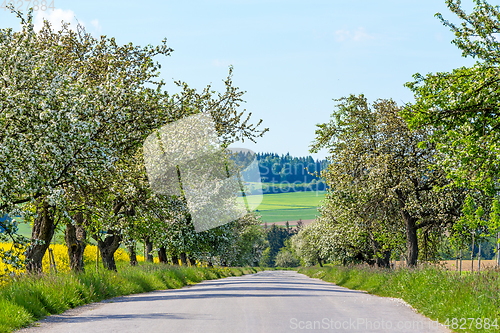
[(436, 293), (31, 298)]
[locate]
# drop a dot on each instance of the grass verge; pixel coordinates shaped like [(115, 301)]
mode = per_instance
[(436, 293), (28, 299)]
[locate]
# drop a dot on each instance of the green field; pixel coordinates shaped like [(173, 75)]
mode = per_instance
[(290, 206), (24, 229)]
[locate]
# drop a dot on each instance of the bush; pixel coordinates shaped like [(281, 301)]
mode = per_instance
[(286, 259), (265, 259)]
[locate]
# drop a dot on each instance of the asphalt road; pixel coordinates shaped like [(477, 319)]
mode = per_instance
[(269, 301)]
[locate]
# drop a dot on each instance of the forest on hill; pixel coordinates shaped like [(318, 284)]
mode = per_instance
[(282, 173), (286, 168)]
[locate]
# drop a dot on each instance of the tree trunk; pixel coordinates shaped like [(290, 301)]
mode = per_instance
[(149, 250), (175, 259), (75, 238), (498, 249), (384, 261), (192, 261), (320, 262), (107, 248), (183, 258), (41, 236), (411, 239), (162, 255), (460, 272), (472, 255), (132, 255), (479, 262)]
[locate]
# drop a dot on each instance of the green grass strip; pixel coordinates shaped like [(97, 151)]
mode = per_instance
[(436, 293), (29, 299)]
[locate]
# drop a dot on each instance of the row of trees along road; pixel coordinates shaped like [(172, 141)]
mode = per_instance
[(399, 175), (75, 111), (381, 183)]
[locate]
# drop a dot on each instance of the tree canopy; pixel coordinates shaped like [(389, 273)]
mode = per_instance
[(381, 182), (462, 106), (75, 111)]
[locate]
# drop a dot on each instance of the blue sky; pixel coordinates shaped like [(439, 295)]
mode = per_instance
[(292, 57)]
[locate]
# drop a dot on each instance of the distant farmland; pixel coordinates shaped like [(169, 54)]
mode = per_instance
[(289, 206)]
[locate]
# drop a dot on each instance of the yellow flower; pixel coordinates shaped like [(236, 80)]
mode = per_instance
[(61, 258)]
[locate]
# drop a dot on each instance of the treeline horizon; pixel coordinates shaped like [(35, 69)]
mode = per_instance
[(275, 168)]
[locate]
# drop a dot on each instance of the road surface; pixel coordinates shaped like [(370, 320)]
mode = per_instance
[(269, 301)]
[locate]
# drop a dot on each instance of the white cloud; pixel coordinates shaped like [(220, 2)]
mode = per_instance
[(55, 17), (221, 63), (358, 35), (96, 25), (342, 35)]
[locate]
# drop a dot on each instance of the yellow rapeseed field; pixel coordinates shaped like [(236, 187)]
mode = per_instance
[(61, 258)]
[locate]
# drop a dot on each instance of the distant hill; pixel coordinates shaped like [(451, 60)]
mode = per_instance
[(274, 168)]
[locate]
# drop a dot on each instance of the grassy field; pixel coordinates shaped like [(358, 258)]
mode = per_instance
[(25, 230), (290, 206)]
